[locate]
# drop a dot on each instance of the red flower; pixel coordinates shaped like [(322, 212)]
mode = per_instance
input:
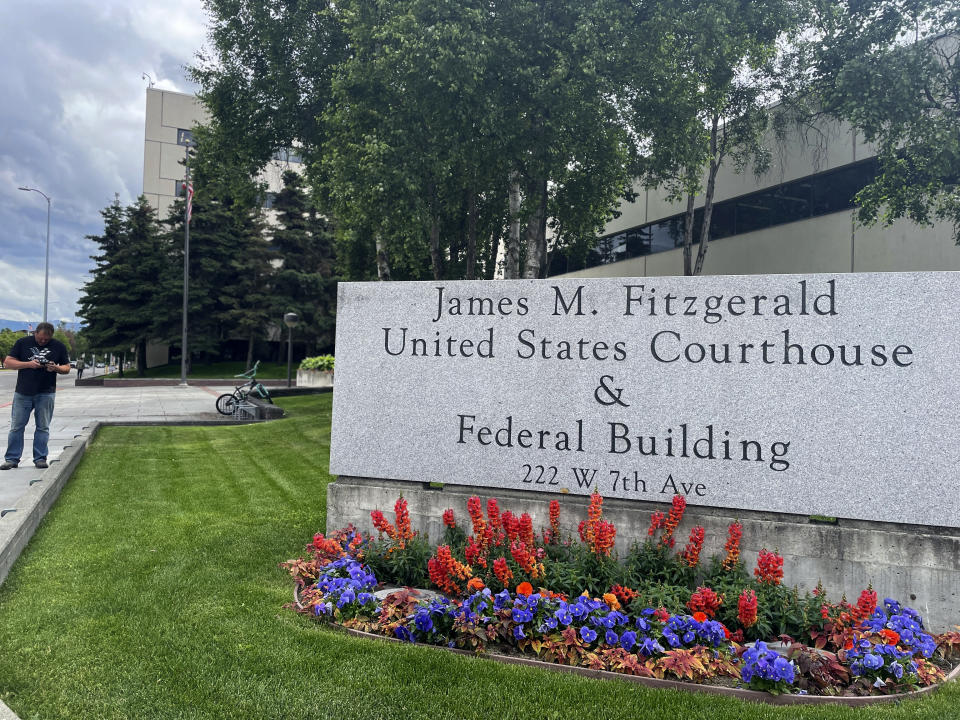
[(734, 533), (700, 617), (512, 525), (475, 510), (493, 514), (866, 604), (596, 532), (525, 588), (769, 568), (691, 553), (555, 520), (656, 522), (747, 608), (705, 600), (892, 636), (673, 520), (448, 518), (445, 570), (382, 526), (624, 594), (502, 571), (404, 531), (526, 530)]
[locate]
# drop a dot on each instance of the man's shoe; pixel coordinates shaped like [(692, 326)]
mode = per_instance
[(42, 464), (8, 465)]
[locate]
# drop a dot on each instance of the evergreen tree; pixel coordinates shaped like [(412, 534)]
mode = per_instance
[(304, 281), (118, 303), (229, 264)]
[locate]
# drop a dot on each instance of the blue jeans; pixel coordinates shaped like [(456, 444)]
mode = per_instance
[(42, 408)]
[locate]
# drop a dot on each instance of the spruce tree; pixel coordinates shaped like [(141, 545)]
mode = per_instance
[(304, 281), (117, 304)]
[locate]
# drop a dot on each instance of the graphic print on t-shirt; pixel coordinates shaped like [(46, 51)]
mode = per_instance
[(40, 354)]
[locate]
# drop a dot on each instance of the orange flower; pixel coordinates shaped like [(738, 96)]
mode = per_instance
[(611, 600), (524, 588), (700, 617), (475, 584), (892, 636)]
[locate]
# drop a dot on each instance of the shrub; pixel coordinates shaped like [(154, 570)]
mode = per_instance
[(320, 362)]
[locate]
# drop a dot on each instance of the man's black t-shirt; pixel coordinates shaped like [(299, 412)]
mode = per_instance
[(35, 382)]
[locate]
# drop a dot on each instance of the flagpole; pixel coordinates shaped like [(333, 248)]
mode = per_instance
[(186, 265)]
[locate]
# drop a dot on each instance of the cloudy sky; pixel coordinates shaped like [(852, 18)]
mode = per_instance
[(72, 104)]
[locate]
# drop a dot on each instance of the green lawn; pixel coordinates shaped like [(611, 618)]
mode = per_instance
[(152, 591), (220, 370)]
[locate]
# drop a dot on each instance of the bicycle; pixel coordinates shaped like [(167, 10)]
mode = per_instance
[(228, 403)]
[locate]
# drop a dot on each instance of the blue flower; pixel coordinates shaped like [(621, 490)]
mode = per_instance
[(403, 633), (649, 646), (628, 640), (518, 632), (642, 624), (522, 616), (588, 634), (783, 669), (423, 621), (611, 638), (563, 615)]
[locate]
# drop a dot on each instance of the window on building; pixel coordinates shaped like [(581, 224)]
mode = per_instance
[(821, 194)]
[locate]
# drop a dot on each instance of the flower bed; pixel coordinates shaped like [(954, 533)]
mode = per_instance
[(660, 614)]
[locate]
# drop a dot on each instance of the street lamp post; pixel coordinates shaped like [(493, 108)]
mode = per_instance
[(185, 138), (46, 266), (289, 319)]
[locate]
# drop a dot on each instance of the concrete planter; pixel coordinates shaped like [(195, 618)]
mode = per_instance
[(314, 378)]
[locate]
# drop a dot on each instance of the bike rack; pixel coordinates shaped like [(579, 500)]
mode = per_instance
[(245, 409)]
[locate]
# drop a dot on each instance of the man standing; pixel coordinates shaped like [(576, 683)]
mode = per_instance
[(80, 366), (39, 358)]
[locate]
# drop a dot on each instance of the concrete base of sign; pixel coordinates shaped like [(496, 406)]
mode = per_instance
[(917, 565)]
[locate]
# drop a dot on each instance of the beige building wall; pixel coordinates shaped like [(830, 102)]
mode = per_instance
[(825, 244), (167, 113)]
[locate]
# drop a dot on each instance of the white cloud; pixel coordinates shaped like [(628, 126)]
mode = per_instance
[(71, 124)]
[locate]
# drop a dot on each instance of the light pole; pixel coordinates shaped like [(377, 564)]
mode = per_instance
[(46, 266), (185, 138), (289, 319)]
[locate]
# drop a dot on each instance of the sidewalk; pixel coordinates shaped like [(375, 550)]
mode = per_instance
[(78, 407)]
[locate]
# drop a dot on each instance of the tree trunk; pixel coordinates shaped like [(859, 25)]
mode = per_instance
[(511, 262), (471, 235), (250, 352), (141, 358), (435, 259), (708, 198), (491, 269), (120, 364), (688, 237), (537, 234), (383, 265)]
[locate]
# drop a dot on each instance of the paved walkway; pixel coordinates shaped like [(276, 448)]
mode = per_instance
[(78, 407)]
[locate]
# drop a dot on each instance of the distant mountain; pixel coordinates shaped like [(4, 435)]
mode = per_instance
[(21, 325)]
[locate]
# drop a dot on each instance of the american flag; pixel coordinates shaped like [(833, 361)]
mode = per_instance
[(189, 201)]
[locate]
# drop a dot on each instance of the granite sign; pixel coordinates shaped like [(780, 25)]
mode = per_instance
[(820, 394)]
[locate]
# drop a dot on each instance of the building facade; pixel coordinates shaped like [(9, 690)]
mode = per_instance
[(798, 217), (170, 118)]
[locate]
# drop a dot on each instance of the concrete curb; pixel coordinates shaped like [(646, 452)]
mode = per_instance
[(17, 528)]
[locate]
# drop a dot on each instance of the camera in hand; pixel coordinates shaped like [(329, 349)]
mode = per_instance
[(43, 361)]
